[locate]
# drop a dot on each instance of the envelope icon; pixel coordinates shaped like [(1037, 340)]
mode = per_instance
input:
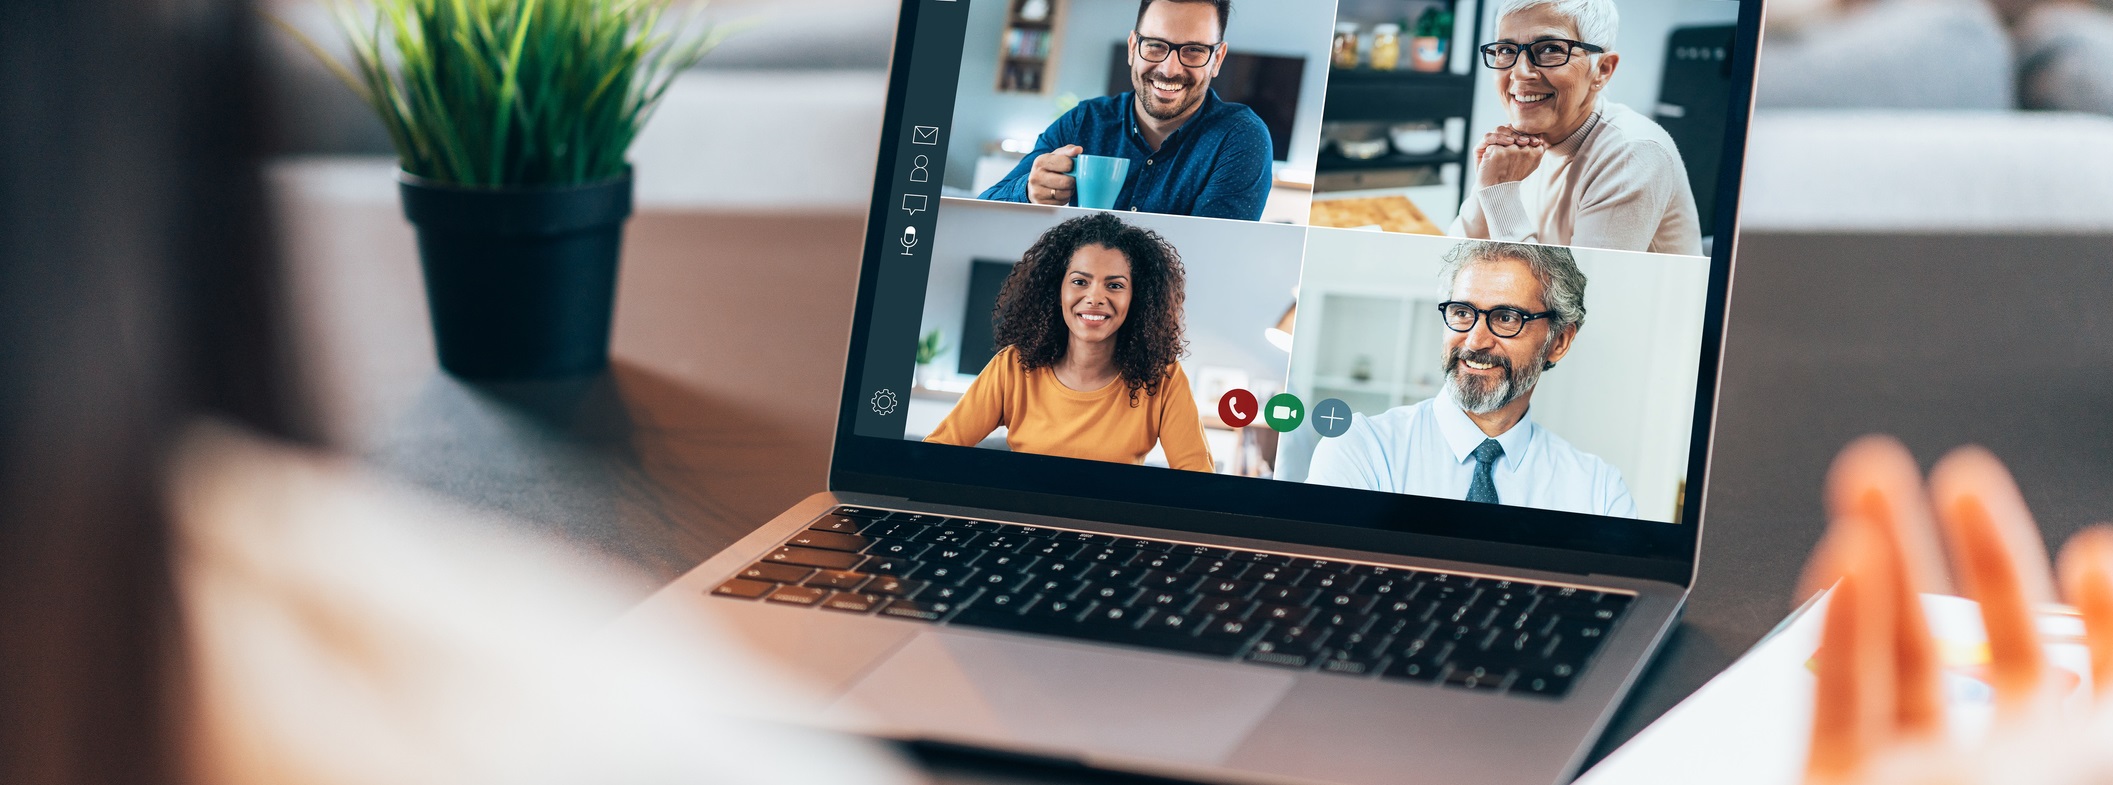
[(927, 135)]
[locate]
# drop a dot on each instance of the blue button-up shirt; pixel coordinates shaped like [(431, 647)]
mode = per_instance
[(1217, 165)]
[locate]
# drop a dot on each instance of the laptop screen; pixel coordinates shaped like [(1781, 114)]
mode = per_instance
[(1453, 252)]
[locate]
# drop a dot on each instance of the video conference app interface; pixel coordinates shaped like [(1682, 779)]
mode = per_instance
[(1448, 248)]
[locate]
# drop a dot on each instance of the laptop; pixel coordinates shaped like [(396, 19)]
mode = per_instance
[(1268, 392)]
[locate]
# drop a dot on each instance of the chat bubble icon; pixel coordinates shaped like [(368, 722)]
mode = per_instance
[(915, 203)]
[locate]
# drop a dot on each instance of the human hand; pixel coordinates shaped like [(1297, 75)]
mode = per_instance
[(1878, 713), (1507, 156), (1051, 182)]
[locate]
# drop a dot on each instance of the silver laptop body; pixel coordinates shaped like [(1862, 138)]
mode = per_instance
[(1142, 709)]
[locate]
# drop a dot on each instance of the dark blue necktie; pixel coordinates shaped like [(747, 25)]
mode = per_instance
[(1484, 488)]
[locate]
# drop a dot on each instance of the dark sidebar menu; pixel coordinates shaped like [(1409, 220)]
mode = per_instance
[(918, 166)]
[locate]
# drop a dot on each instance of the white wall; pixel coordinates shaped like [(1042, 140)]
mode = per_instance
[(1640, 41), (1240, 276), (1092, 28), (1626, 391)]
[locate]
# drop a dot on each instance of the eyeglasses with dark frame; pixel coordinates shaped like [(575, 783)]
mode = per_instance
[(1504, 321), (1545, 53), (1156, 50)]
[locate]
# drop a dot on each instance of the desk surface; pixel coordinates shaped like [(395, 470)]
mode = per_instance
[(730, 332)]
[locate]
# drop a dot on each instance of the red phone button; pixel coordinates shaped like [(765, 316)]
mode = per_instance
[(1238, 408)]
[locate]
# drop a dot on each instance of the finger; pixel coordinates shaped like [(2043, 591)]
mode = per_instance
[(1070, 151), (1876, 479), (2087, 583), (1851, 711), (1999, 562), (1917, 690)]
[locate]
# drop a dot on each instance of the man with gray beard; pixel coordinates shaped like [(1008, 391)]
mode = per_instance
[(1513, 311)]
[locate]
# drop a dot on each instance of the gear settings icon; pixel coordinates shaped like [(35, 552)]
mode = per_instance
[(884, 402)]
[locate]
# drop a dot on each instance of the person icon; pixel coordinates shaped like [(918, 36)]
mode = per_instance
[(921, 170)]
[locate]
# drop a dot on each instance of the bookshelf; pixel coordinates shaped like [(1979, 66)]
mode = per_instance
[(1028, 46)]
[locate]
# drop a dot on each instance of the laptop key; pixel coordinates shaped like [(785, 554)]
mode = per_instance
[(1011, 562), (1169, 562), (811, 557), (1108, 593), (1168, 581), (1171, 621), (1477, 678), (1052, 548), (1066, 588), (953, 554), (860, 512), (841, 524), (841, 580), (1226, 607), (1001, 542), (896, 529), (888, 565), (918, 518), (776, 573), (890, 546), (812, 538), (953, 594), (945, 574), (1145, 545), (1059, 609), (948, 535), (1118, 616), (797, 595), (1272, 573), (1345, 663), (1287, 595), (1169, 601), (1284, 614), (893, 586), (1226, 588), (852, 602), (744, 589), (918, 610)]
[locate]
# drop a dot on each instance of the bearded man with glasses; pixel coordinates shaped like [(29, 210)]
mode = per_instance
[(1190, 153), (1572, 168), (1511, 312)]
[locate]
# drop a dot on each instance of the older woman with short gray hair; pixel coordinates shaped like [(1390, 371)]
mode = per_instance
[(1572, 168)]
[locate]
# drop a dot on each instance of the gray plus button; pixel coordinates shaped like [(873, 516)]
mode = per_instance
[(1331, 418)]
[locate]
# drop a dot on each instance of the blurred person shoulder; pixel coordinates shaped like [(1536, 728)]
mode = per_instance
[(2062, 57), (344, 631), (1885, 54)]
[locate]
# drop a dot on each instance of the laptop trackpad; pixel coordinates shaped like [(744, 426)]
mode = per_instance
[(1068, 699)]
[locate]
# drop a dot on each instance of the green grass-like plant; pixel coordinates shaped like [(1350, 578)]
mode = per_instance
[(498, 93)]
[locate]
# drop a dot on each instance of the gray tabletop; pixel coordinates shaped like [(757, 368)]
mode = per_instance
[(718, 408)]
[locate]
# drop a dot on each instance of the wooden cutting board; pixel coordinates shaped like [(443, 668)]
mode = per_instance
[(1391, 213)]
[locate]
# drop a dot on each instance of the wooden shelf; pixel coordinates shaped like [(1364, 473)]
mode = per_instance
[(1363, 94), (1335, 162)]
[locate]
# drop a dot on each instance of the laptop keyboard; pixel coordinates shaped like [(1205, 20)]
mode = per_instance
[(1346, 618)]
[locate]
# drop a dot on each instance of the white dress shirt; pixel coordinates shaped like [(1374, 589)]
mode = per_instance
[(1427, 449)]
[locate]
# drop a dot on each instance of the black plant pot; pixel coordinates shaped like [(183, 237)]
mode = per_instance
[(521, 282)]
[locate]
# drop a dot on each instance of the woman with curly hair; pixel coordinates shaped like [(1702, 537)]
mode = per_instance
[(1090, 325)]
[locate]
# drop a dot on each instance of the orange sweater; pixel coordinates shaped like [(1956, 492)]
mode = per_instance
[(1043, 416)]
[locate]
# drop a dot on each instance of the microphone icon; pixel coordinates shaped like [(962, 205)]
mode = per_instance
[(909, 239)]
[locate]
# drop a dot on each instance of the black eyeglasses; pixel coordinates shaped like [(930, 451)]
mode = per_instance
[(1154, 50), (1504, 321), (1545, 53)]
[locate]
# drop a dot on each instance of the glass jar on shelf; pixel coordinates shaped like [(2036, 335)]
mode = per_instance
[(1344, 53), (1386, 47)]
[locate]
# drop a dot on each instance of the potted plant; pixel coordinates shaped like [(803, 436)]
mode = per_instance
[(928, 349), (1427, 50), (511, 119)]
